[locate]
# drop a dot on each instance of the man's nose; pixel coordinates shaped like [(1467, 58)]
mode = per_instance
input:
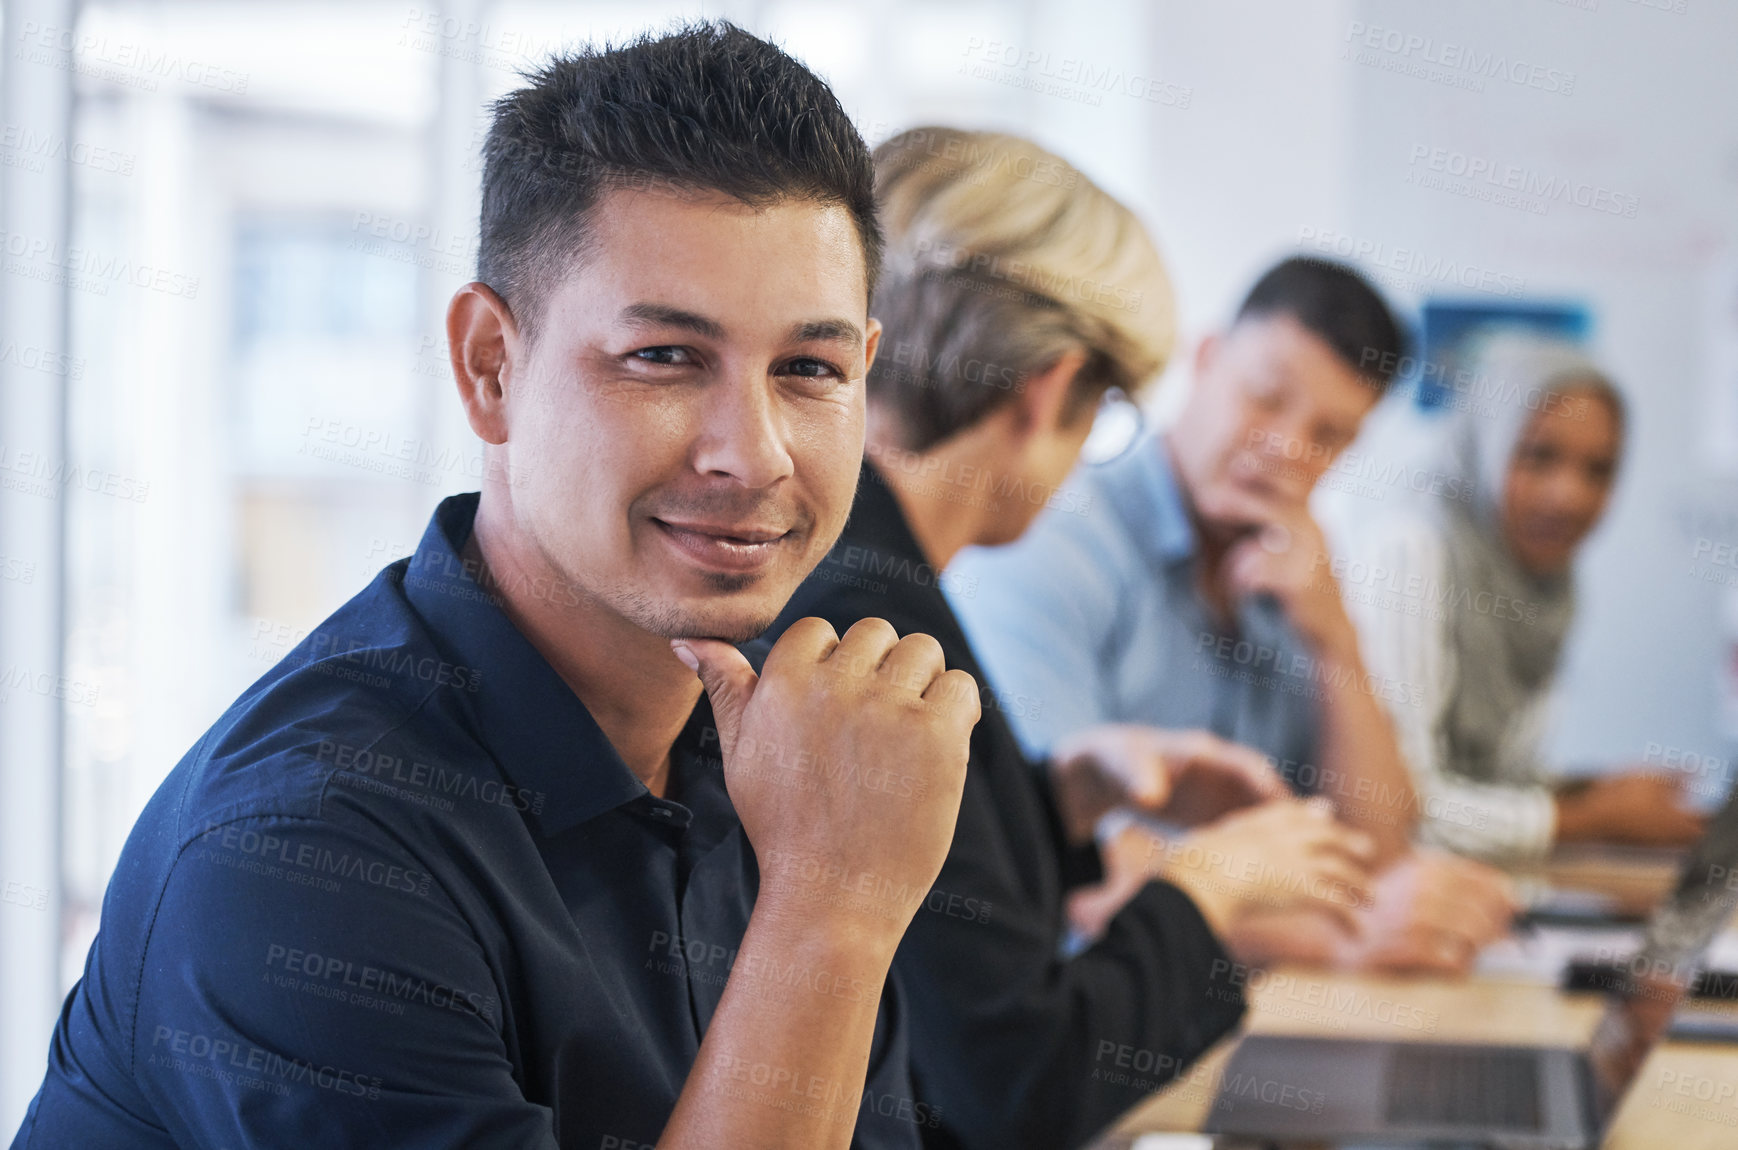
[(743, 434)]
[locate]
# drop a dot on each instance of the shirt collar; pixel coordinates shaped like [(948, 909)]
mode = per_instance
[(525, 714), (1144, 489), (876, 518)]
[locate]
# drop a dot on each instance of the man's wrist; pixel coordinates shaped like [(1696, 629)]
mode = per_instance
[(1216, 905), (865, 929), (1079, 803), (1334, 643)]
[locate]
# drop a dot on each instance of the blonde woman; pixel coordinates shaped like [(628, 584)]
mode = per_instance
[(1017, 295)]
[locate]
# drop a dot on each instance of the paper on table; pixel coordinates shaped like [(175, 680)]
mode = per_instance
[(1541, 955)]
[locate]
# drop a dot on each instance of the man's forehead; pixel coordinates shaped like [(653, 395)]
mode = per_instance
[(1298, 356), (653, 255)]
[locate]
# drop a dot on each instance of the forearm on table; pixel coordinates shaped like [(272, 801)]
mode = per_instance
[(1300, 935), (1372, 790), (1490, 821), (786, 1054)]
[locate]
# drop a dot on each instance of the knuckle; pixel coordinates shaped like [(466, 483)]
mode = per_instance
[(871, 625)]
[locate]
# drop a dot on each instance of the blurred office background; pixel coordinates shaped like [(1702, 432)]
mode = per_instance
[(231, 228)]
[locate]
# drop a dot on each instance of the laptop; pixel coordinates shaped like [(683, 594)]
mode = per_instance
[(1278, 1090)]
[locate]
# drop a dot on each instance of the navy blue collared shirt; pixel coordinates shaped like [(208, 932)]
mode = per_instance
[(405, 893)]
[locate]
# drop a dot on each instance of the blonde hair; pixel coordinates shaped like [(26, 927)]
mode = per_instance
[(1003, 254)]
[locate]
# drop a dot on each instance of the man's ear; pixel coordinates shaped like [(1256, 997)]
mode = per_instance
[(1206, 351), (1043, 400), (871, 343), (482, 341)]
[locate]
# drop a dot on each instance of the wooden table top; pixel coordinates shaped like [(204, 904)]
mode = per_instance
[(1686, 1097)]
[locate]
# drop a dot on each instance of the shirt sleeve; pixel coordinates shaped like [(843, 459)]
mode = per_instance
[(1031, 1050), (341, 1004), (1040, 614), (1403, 635), (1026, 1048)]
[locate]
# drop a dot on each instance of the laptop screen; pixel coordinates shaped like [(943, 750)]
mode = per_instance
[(1658, 977)]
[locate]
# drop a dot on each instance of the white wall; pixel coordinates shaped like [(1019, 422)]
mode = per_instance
[(1299, 128)]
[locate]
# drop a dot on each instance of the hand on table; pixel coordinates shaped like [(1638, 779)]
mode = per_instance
[(1636, 808), (1183, 777), (1281, 854), (1432, 913)]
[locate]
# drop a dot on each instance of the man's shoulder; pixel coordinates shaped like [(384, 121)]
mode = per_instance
[(367, 702), (1079, 550)]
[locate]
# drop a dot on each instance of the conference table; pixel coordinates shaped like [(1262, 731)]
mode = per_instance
[(1686, 1097)]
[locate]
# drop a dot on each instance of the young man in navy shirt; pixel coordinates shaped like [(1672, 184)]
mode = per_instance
[(463, 870)]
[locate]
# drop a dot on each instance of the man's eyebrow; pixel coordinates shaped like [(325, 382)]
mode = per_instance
[(662, 315), (834, 330)]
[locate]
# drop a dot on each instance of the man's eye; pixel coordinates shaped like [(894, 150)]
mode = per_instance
[(1537, 458), (673, 356), (812, 368), (1265, 395)]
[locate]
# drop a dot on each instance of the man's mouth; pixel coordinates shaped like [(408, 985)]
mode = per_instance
[(729, 547)]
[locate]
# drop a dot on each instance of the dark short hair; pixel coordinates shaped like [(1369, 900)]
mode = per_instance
[(1336, 305), (707, 107)]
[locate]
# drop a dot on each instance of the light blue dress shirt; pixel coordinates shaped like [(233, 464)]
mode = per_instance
[(1094, 616)]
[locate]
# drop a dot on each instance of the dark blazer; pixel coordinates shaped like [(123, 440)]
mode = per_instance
[(1014, 1044)]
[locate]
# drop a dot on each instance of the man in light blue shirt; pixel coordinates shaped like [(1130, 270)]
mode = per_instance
[(1182, 585), (1123, 633)]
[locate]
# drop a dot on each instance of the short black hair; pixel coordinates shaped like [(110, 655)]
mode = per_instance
[(707, 107), (1336, 305)]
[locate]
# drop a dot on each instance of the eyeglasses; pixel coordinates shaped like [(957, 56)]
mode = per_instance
[(1116, 427)]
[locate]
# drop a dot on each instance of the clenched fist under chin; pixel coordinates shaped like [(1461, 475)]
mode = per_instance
[(845, 759)]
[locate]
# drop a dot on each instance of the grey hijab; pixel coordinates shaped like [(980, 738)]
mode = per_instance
[(1505, 663)]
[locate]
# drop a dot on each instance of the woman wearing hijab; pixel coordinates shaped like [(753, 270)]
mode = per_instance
[(1466, 592)]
